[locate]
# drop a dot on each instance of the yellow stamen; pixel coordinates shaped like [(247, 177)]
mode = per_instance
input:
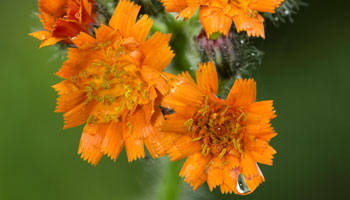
[(224, 112), (130, 127), (92, 119), (196, 139), (221, 155), (225, 163), (189, 124), (205, 149)]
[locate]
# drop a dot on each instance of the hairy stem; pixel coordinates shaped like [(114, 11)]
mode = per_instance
[(171, 182)]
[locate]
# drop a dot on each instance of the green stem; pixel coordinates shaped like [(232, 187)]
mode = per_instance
[(171, 183), (180, 41)]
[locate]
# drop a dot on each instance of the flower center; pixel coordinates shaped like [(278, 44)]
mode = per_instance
[(219, 127), (112, 82)]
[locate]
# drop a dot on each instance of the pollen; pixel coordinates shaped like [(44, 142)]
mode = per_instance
[(219, 127), (112, 82)]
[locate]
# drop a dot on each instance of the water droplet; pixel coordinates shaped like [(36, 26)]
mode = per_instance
[(241, 186), (286, 12)]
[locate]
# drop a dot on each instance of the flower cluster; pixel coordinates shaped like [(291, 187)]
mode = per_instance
[(115, 85)]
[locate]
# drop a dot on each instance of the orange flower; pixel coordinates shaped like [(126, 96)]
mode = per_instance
[(217, 15), (113, 84), (64, 19), (223, 139)]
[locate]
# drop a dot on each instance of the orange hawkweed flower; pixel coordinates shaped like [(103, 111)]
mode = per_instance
[(223, 139), (217, 15), (113, 84), (64, 19)]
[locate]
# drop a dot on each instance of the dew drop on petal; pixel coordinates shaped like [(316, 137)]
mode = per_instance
[(241, 186)]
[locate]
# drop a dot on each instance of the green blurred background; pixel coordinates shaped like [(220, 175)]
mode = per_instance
[(305, 71)]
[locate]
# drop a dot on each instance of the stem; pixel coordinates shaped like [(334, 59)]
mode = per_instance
[(171, 183), (180, 41)]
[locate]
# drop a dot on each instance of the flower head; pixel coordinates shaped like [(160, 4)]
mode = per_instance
[(223, 140), (64, 19), (113, 84), (217, 15)]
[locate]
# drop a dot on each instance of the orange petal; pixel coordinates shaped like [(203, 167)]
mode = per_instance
[(41, 35), (113, 141), (90, 143), (263, 108), (231, 172), (262, 130), (183, 147), (254, 26), (251, 172), (88, 6), (141, 29), (55, 8), (150, 109), (77, 116), (153, 141), (69, 96), (157, 52), (47, 20), (243, 92), (140, 127), (174, 5), (103, 34), (263, 152), (134, 148), (50, 41), (166, 140), (124, 17), (155, 41), (214, 20), (69, 101), (77, 60), (258, 120), (66, 29), (215, 173), (265, 5), (188, 12), (207, 77), (174, 123), (184, 96), (156, 78), (194, 169), (65, 87)]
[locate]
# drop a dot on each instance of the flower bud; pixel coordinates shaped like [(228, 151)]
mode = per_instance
[(232, 54)]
